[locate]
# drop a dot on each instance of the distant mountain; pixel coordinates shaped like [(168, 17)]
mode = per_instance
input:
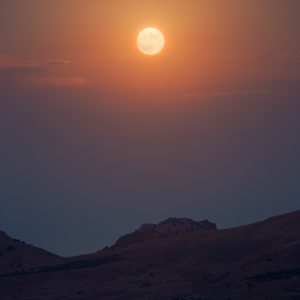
[(165, 229), (17, 256), (177, 259)]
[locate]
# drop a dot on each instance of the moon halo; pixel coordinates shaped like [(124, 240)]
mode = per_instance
[(150, 41)]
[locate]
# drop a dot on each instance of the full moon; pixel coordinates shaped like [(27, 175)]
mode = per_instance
[(150, 41)]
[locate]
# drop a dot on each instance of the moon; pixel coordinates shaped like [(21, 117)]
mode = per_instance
[(150, 41)]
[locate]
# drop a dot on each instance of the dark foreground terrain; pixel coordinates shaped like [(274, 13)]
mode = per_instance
[(178, 259)]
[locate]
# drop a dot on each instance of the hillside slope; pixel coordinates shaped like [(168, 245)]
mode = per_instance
[(17, 256), (258, 261)]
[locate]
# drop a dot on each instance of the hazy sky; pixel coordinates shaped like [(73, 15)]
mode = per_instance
[(97, 138)]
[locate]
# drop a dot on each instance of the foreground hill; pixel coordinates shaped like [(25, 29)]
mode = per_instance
[(17, 256), (258, 261)]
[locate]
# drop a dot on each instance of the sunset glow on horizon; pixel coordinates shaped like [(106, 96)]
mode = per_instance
[(206, 53)]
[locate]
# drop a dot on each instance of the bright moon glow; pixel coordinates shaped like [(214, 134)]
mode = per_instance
[(150, 41)]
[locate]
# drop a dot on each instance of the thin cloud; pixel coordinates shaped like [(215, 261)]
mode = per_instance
[(75, 82), (8, 63), (27, 71), (59, 62), (230, 93)]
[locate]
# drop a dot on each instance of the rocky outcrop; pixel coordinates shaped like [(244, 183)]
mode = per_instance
[(3, 236), (167, 228)]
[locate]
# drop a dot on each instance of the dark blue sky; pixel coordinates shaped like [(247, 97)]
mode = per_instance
[(74, 184)]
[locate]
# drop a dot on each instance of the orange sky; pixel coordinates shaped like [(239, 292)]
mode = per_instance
[(210, 45)]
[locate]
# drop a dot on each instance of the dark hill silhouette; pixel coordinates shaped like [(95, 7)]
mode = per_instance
[(165, 229), (258, 261), (17, 256)]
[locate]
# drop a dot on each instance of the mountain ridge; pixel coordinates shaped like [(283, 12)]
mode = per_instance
[(167, 228), (258, 261)]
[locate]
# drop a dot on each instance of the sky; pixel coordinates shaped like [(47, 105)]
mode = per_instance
[(97, 138)]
